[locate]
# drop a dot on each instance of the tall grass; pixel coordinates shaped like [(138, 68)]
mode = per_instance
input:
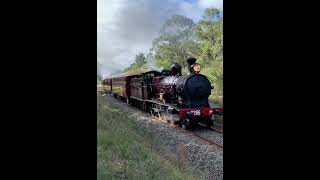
[(127, 151)]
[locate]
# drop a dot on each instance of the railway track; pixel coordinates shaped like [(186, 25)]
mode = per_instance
[(219, 130), (207, 140), (200, 137)]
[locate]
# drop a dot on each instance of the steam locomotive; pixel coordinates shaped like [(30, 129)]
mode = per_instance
[(168, 94)]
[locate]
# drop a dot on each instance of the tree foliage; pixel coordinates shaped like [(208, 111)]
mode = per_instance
[(139, 61), (176, 41), (209, 31)]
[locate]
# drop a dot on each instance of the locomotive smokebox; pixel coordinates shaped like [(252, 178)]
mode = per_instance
[(194, 89)]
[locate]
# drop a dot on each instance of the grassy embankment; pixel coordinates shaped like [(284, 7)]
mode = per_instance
[(126, 151)]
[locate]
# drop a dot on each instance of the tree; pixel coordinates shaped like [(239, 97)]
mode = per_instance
[(176, 42), (139, 61), (209, 31)]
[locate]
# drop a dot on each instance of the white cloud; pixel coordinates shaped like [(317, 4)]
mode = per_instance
[(124, 29), (108, 9), (211, 4), (190, 10)]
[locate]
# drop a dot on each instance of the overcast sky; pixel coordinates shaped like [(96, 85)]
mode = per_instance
[(127, 27)]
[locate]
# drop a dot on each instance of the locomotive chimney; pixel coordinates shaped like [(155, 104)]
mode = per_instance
[(190, 62)]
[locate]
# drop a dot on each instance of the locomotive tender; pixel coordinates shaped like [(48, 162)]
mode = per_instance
[(182, 99)]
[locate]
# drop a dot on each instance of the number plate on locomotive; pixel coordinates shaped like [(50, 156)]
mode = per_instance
[(196, 112)]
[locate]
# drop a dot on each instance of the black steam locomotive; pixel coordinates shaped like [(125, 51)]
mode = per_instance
[(182, 99)]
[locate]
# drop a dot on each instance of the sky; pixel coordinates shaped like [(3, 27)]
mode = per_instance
[(126, 27)]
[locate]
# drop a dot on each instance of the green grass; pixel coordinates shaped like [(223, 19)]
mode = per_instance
[(127, 151)]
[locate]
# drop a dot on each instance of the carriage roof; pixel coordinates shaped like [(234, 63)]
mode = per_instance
[(129, 74)]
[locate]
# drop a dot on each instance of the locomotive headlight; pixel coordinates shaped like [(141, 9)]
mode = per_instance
[(210, 112), (196, 68)]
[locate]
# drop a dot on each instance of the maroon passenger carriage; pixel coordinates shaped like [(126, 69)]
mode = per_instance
[(182, 99)]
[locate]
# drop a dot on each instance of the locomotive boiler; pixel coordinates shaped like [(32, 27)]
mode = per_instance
[(165, 85)]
